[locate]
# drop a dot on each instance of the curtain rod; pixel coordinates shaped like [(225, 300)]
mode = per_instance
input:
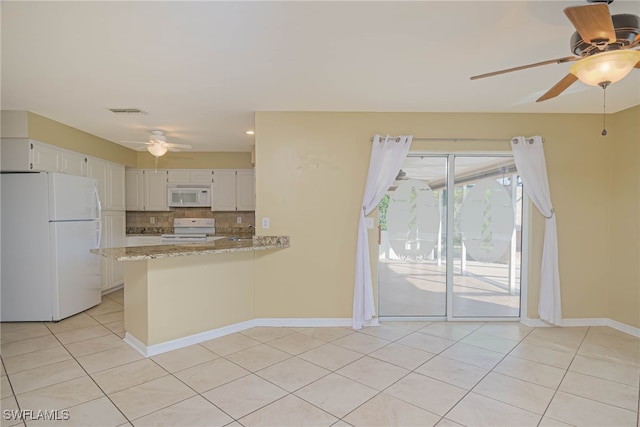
[(461, 139)]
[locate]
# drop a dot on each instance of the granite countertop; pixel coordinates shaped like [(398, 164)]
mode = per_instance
[(138, 253)]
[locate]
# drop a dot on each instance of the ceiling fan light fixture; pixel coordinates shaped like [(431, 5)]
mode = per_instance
[(157, 149), (605, 67)]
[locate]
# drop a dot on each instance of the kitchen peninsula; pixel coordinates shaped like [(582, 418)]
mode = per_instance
[(178, 295)]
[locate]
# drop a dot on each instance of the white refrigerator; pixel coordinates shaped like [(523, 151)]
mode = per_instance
[(49, 224)]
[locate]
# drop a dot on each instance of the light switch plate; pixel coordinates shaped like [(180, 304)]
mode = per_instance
[(239, 220), (265, 222), (369, 222)]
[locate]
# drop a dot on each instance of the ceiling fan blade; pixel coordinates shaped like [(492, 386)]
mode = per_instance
[(524, 67), (559, 87), (172, 145), (593, 22)]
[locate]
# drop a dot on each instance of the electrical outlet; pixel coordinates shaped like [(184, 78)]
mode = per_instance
[(265, 222), (239, 220), (152, 219)]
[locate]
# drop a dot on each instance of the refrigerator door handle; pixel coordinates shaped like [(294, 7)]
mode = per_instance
[(98, 233), (98, 205)]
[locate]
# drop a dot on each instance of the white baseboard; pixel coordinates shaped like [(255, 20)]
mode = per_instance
[(155, 349), (623, 328), (595, 321), (110, 290)]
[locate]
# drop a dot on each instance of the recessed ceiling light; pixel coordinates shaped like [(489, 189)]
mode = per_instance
[(250, 132)]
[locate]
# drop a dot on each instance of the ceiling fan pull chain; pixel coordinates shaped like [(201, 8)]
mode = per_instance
[(604, 109)]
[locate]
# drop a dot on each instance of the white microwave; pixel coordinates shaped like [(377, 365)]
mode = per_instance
[(189, 196)]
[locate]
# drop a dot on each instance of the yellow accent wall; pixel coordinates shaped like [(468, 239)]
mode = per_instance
[(25, 124), (310, 174), (51, 132), (196, 160), (623, 284)]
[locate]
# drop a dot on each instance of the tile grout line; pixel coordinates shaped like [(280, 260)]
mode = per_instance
[(13, 393), (488, 372), (92, 379), (565, 373)]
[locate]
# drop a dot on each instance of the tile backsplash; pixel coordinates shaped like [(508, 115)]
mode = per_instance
[(140, 222)]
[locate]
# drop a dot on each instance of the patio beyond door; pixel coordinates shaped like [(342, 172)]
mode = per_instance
[(451, 227)]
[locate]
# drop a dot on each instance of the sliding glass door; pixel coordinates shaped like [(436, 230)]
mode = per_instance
[(454, 256)]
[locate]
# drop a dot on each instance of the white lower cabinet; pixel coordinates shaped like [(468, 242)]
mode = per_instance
[(113, 236), (144, 240)]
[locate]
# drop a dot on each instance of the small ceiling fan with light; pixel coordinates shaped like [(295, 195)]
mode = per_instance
[(158, 145), (605, 46)]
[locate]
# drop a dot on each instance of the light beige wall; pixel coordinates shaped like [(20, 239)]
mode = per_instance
[(196, 160), (171, 298), (58, 134), (623, 285), (310, 174)]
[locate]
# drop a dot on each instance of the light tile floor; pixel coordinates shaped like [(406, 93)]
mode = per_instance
[(398, 374)]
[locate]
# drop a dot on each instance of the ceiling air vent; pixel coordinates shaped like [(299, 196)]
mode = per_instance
[(127, 111)]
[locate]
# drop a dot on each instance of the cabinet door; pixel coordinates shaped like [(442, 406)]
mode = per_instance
[(74, 164), (105, 263), (134, 190), (45, 158), (201, 176), (15, 155), (155, 190), (245, 190), (116, 187), (98, 170), (223, 197), (178, 176), (117, 239)]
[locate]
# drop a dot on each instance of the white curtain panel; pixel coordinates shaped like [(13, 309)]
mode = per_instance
[(529, 158), (387, 156)]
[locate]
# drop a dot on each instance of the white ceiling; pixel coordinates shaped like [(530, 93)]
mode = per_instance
[(201, 69)]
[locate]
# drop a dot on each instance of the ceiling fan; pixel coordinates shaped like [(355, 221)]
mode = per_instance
[(158, 145), (605, 46)]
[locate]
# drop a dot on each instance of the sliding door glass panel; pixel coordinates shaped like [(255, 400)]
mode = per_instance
[(487, 210), (412, 253)]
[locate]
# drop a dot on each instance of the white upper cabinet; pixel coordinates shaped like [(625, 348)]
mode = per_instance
[(74, 163), (223, 194), (26, 155), (110, 178), (155, 190), (116, 193), (146, 190), (190, 176), (134, 190), (45, 158), (98, 170), (233, 190), (245, 190)]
